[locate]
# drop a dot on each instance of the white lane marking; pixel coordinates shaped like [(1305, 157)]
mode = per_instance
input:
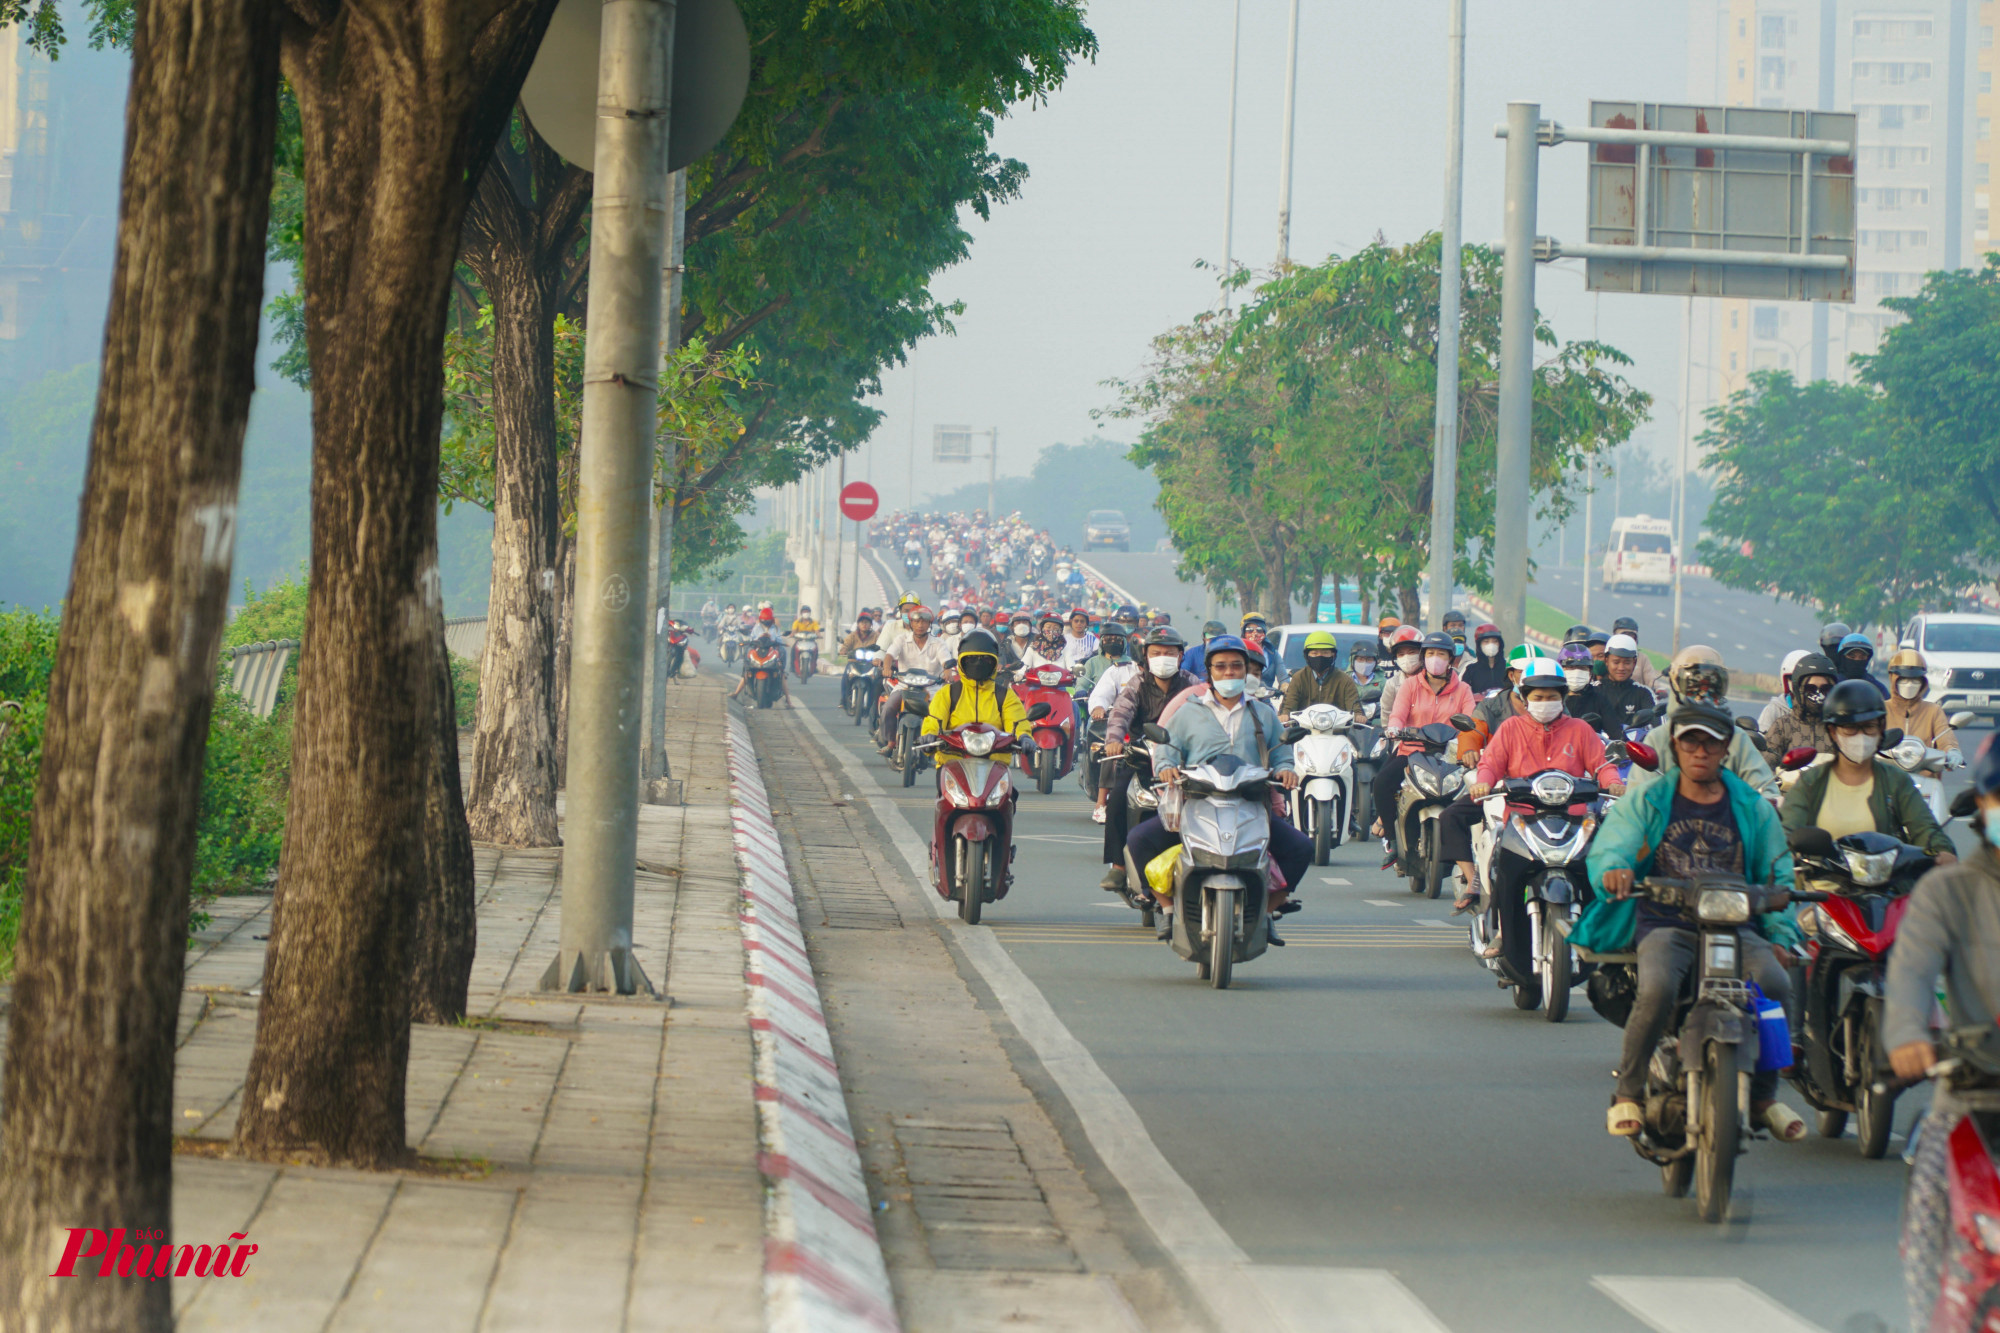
[(1058, 837), (1337, 881), (1701, 1304), (1343, 1300), (1381, 902), (1433, 921)]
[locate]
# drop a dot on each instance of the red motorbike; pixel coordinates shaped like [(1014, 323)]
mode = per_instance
[(1844, 1063), (972, 836), (766, 668), (1968, 1298), (1054, 752)]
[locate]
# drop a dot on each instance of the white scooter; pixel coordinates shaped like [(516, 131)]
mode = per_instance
[(1324, 756), (1529, 820), (1927, 766)]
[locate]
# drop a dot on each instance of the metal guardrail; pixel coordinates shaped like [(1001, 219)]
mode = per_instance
[(255, 669), (466, 636)]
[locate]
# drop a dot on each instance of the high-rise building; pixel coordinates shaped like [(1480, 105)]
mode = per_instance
[(1918, 75)]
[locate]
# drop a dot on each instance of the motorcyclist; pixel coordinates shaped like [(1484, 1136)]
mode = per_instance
[(1431, 697), (1255, 630), (1855, 653), (1778, 706), (1111, 644), (1858, 792), (976, 696), (1579, 673), (1492, 711), (767, 618), (1696, 818), (1205, 724), (1407, 652), (862, 636), (1621, 697), (1321, 682), (1020, 631), (1523, 746), (804, 624), (762, 639), (1362, 664), (1804, 723), (1912, 712), (1047, 647), (1950, 932), (1079, 644), (1645, 672), (1487, 671), (919, 650), (1454, 625), (1191, 660), (1698, 676), (710, 614), (1385, 629), (1140, 700), (1830, 636)]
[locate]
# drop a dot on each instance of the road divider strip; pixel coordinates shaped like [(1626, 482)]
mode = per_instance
[(823, 1266)]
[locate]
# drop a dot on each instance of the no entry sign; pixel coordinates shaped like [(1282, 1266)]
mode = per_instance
[(858, 501)]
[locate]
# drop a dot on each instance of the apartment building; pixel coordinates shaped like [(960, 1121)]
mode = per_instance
[(1918, 74)]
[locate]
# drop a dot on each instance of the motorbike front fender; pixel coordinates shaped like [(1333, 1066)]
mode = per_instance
[(1708, 1022)]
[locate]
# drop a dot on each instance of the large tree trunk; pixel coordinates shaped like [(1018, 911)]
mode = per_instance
[(523, 225), (88, 1134), (447, 930), (400, 107)]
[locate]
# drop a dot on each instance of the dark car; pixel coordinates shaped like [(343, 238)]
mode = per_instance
[(1107, 528)]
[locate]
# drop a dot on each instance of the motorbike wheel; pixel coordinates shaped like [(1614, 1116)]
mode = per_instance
[(1146, 918), (1322, 822), (906, 752), (972, 882), (1715, 1153), (1222, 941), (1555, 963), (1874, 1112), (1676, 1176), (1832, 1124), (1434, 874), (1045, 772)]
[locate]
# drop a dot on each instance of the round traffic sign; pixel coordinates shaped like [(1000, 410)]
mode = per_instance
[(858, 501)]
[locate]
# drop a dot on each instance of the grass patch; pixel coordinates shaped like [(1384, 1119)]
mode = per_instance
[(1546, 619)]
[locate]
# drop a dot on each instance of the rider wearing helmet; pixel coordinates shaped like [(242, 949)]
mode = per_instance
[(1694, 818), (1576, 634), (1454, 625), (1191, 660), (1406, 650), (1579, 674), (1320, 681), (1047, 647), (977, 695), (1141, 700), (1830, 636), (1644, 672), (1255, 630), (1698, 676), (1909, 710), (1858, 791), (1776, 708), (917, 650), (1128, 616), (1855, 653), (1621, 697), (1020, 632), (1361, 665), (1079, 644), (1803, 725), (1432, 696), (1950, 932), (1493, 711), (1488, 669)]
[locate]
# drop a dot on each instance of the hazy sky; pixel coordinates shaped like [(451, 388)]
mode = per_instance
[(1066, 286)]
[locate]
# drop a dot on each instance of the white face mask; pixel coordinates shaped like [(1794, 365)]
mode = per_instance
[(1545, 711), (1364, 668), (1909, 689), (1858, 749), (1163, 666), (1229, 689), (1020, 631), (1489, 648), (1411, 665), (1577, 678)]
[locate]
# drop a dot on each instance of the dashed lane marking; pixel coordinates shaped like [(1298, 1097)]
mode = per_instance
[(1701, 1304)]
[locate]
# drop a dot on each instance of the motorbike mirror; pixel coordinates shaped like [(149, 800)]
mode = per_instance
[(1645, 717), (1748, 724), (1155, 733), (1891, 739), (1811, 840), (1797, 758), (1964, 719), (1594, 720), (1963, 804), (1293, 735), (1643, 756), (1038, 712), (1463, 723)]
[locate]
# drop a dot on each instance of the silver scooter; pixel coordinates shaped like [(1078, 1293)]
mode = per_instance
[(1222, 810)]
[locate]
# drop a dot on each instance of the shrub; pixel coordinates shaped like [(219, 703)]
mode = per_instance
[(245, 783), (465, 689)]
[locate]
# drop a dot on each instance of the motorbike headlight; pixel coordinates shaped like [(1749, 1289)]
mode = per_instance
[(979, 743), (1869, 869), (954, 787), (1726, 906), (1829, 929), (1424, 780), (1553, 788), (1908, 754), (1453, 780)]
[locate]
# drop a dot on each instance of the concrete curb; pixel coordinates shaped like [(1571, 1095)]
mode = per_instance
[(823, 1266)]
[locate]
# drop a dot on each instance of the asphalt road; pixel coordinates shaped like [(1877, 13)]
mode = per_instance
[(1752, 632)]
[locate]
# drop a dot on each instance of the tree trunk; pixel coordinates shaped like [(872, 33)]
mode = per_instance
[(1413, 606), (447, 930), (522, 225), (1277, 583), (89, 1120), (400, 110)]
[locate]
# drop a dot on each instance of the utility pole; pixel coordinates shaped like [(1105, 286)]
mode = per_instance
[(1285, 161), (628, 251), (655, 749), (1229, 162), (1444, 456), (1589, 475), (1517, 375), (992, 468), (834, 612), (1680, 472)]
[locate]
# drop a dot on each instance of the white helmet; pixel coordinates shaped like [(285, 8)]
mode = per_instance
[(1541, 673)]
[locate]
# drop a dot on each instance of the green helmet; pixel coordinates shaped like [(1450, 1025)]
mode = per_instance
[(1320, 638), (1521, 654)]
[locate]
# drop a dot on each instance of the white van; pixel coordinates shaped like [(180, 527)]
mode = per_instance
[(1640, 554)]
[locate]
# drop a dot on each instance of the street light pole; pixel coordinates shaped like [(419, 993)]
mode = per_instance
[(628, 251), (1285, 164), (1229, 161), (655, 748), (1444, 459), (1517, 375), (1680, 474)]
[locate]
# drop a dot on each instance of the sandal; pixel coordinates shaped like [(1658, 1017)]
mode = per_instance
[(1625, 1120), (1785, 1124)]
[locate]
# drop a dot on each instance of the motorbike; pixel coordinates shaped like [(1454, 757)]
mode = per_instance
[(1697, 1111), (1324, 756), (677, 647), (912, 562), (766, 669), (1432, 781), (709, 621), (805, 655), (1868, 878), (916, 701), (732, 644), (1142, 802), (1054, 752), (1220, 912), (859, 684), (1370, 749), (1927, 766), (972, 833), (1532, 841), (1968, 1299)]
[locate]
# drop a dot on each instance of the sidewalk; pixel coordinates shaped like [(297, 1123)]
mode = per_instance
[(593, 1160)]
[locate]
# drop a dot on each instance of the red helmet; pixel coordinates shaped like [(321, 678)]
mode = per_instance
[(767, 614), (1407, 634)]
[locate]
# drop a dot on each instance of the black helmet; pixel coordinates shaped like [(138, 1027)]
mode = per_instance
[(1366, 648), (1453, 617), (1213, 628), (1166, 636), (978, 641), (1854, 703), (1625, 625), (1577, 634), (1441, 641), (1830, 637)]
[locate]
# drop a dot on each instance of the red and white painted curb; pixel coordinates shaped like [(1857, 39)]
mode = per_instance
[(823, 1268)]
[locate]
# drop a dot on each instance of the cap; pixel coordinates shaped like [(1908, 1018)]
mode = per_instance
[(1705, 718)]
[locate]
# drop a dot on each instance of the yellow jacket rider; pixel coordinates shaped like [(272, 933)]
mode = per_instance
[(974, 697)]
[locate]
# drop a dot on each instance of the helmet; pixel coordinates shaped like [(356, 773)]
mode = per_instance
[(1386, 622), (1909, 664), (1229, 643), (1852, 641), (1699, 676), (1577, 634), (1255, 618), (804, 610), (1406, 634), (1487, 631), (1854, 703), (1211, 629), (1365, 648), (1438, 640), (906, 601), (1453, 617), (1785, 667), (1598, 636), (978, 641), (1521, 654), (1543, 672), (1076, 611), (1621, 645), (1129, 613), (1830, 637), (1320, 638), (1050, 617), (1166, 636), (1625, 625), (921, 612)]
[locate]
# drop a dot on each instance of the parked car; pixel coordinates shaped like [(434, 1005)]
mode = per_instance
[(1107, 528), (1963, 655), (1291, 641)]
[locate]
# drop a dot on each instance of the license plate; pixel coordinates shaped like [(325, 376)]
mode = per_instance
[(1979, 700)]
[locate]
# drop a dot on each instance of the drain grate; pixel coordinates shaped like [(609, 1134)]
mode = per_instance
[(977, 1199)]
